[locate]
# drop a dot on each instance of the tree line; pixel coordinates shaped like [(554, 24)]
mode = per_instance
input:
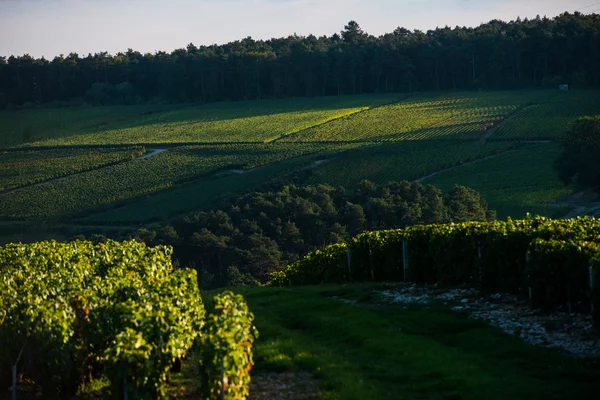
[(535, 52), (262, 232)]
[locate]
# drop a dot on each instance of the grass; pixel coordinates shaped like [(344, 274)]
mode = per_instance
[(366, 351), (514, 183)]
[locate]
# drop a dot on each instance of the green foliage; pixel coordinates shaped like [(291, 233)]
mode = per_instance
[(227, 348), (232, 122), (561, 271), (261, 232), (552, 257), (396, 161), (138, 177), (22, 168), (425, 116), (549, 119), (513, 183), (81, 310), (580, 159)]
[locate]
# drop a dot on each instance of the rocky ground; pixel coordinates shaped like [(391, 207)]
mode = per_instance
[(570, 332)]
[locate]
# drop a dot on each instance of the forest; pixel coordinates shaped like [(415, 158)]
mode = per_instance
[(539, 52), (261, 232)]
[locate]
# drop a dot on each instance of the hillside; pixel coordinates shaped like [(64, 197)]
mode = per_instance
[(84, 164)]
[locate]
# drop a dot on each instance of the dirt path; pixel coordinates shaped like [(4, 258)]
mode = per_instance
[(462, 165), (585, 202), (152, 152), (315, 164)]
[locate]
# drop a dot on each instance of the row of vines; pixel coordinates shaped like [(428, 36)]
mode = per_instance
[(22, 168), (555, 262), (74, 313), (425, 116), (140, 176)]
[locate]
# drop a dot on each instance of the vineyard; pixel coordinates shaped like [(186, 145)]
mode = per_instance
[(555, 262), (201, 153), (77, 313), (549, 119), (249, 121), (22, 168), (426, 116), (138, 177), (406, 160), (514, 183)]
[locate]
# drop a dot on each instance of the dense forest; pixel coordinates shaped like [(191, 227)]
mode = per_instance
[(262, 232), (496, 55)]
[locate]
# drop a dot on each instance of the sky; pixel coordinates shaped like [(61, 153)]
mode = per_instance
[(52, 27)]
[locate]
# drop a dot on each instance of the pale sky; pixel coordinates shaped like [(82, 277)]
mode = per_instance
[(52, 27)]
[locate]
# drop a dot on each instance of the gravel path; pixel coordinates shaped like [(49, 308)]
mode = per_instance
[(570, 332)]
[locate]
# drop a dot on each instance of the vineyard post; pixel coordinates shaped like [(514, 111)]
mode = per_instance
[(480, 258), (405, 259), (371, 261), (14, 374), (592, 284), (527, 260), (222, 380), (14, 382), (349, 255)]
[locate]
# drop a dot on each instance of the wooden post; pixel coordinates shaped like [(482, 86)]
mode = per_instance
[(349, 251), (527, 259), (592, 284), (14, 382), (371, 262), (125, 395), (405, 259), (222, 380), (480, 266)]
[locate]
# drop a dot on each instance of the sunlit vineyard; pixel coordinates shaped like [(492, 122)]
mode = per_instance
[(141, 176), (118, 313), (20, 168), (381, 138), (248, 121), (25, 126), (426, 116)]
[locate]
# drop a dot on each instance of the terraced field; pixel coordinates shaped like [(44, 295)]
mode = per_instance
[(469, 138)]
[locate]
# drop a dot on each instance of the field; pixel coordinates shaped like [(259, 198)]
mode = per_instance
[(85, 165)]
